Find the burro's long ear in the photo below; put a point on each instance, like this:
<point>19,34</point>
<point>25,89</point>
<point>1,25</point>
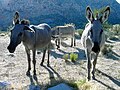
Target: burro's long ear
<point>89,14</point>
<point>16,18</point>
<point>105,14</point>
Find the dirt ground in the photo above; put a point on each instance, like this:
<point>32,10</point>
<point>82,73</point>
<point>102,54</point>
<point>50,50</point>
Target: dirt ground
<point>13,67</point>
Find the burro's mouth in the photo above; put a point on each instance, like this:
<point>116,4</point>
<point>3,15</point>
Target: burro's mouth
<point>11,50</point>
<point>96,49</point>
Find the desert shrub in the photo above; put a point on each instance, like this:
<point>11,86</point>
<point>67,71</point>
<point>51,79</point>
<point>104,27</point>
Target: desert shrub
<point>113,37</point>
<point>116,29</point>
<point>73,57</point>
<point>83,85</point>
<point>106,28</point>
<point>81,82</point>
<point>70,57</point>
<point>107,49</point>
<point>108,34</point>
<point>80,31</point>
<point>66,57</point>
<point>112,34</point>
<point>77,84</point>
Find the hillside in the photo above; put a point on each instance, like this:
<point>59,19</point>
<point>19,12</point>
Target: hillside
<point>54,12</point>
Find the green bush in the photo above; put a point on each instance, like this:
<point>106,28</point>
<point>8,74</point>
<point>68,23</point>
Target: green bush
<point>80,31</point>
<point>116,29</point>
<point>66,57</point>
<point>107,49</point>
<point>70,57</point>
<point>77,84</point>
<point>73,57</point>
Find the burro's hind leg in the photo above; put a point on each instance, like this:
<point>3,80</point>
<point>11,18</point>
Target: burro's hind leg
<point>34,62</point>
<point>48,62</point>
<point>57,41</point>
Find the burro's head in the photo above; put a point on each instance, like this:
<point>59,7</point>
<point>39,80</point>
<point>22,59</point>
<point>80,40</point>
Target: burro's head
<point>17,32</point>
<point>95,26</point>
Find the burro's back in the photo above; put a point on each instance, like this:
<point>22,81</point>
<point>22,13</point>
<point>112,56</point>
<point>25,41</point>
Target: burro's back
<point>41,37</point>
<point>66,31</point>
<point>61,32</point>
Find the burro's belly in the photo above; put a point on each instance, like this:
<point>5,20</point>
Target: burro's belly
<point>38,43</point>
<point>42,43</point>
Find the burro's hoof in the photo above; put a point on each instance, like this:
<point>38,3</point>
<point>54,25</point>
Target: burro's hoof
<point>93,77</point>
<point>48,65</point>
<point>88,78</point>
<point>28,73</point>
<point>41,64</point>
<point>34,72</point>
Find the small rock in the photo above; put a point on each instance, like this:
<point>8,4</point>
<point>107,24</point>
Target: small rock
<point>61,86</point>
<point>3,60</point>
<point>2,34</point>
<point>12,55</point>
<point>38,52</point>
<point>5,85</point>
<point>33,87</point>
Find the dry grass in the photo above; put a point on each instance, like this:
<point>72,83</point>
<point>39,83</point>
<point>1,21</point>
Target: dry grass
<point>89,86</point>
<point>107,49</point>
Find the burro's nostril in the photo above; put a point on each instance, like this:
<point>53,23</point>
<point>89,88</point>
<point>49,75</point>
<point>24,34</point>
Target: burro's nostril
<point>96,47</point>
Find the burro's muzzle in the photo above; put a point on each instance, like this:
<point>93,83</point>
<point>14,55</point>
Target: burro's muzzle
<point>11,48</point>
<point>96,47</point>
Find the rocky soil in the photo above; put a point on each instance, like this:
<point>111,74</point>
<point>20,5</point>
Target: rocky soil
<point>13,67</point>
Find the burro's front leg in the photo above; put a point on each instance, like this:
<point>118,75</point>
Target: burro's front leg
<point>88,55</point>
<point>94,65</point>
<point>29,61</point>
<point>34,62</point>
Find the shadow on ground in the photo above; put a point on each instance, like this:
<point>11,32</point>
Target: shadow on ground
<point>117,82</point>
<point>34,84</point>
<point>54,77</point>
<point>113,55</point>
